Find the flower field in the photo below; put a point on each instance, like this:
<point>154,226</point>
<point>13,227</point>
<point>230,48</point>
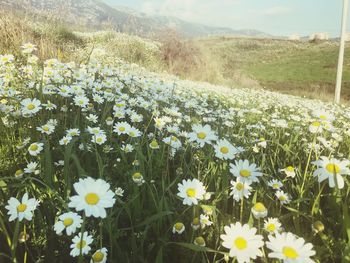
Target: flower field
<point>107,162</point>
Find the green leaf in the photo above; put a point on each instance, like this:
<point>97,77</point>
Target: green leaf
<point>155,217</point>
<point>48,171</point>
<point>159,258</point>
<point>196,247</point>
<point>346,253</point>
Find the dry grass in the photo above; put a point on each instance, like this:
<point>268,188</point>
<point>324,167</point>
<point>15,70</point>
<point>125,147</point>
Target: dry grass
<point>53,39</point>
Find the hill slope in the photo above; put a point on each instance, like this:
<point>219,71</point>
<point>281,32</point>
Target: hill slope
<point>299,68</point>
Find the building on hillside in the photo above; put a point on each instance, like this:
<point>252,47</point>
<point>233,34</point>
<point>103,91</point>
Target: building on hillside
<point>319,36</point>
<point>294,37</point>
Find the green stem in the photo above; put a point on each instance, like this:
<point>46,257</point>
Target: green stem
<point>14,242</point>
<point>81,239</point>
<point>241,212</point>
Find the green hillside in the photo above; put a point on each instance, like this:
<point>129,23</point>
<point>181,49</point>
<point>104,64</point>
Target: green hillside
<point>299,68</point>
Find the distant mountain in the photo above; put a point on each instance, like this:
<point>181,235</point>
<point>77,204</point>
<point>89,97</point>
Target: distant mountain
<point>95,14</point>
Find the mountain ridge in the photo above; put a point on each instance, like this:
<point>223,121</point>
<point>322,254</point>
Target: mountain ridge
<point>97,15</point>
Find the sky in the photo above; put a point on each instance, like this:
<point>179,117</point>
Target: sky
<point>277,17</point>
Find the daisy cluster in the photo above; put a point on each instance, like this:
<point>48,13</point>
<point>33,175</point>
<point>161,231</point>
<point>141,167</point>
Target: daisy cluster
<point>189,162</point>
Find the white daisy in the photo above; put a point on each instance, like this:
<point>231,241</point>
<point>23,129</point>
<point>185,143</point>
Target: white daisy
<point>240,190</point>
<point>331,169</point>
<point>202,135</point>
<point>68,221</point>
<point>119,191</point>
<point>35,148</point>
<point>272,225</point>
<point>65,140</point>
<point>31,168</point>
<point>259,210</point>
<point>205,221</point>
<point>100,256</point>
<point>99,139</point>
<point>73,132</point>
<point>154,144</point>
<point>81,101</point>
<point>191,191</point>
<point>178,228</point>
<point>247,173</point>
<point>242,242</point>
<point>93,197</point>
<point>289,171</point>
<point>138,178</point>
<point>282,197</point>
<point>275,184</point>
<point>121,128</point>
<point>290,248</point>
<point>173,141</point>
<point>28,48</point>
<point>199,241</point>
<point>21,209</point>
<point>225,150</point>
<point>30,106</point>
<point>81,243</point>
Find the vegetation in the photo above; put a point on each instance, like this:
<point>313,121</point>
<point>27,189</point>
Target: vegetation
<point>103,160</point>
<point>109,160</point>
<point>294,67</point>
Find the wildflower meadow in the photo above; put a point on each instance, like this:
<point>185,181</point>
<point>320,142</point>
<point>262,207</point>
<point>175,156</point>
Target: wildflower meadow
<point>104,161</point>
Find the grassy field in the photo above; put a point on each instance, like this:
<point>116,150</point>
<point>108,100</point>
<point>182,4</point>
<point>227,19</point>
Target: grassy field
<point>299,68</point>
<point>109,157</point>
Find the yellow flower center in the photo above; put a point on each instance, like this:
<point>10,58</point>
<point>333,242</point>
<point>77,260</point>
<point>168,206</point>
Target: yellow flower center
<point>98,256</point>
<point>21,208</point>
<point>99,139</point>
<point>275,186</point>
<point>239,186</point>
<point>121,129</point>
<point>18,172</point>
<point>323,117</point>
<point>137,175</point>
<point>240,243</point>
<point>244,173</point>
<point>173,138</point>
<point>333,168</point>
<point>132,134</point>
<point>68,221</point>
<point>45,128</point>
<point>271,227</point>
<point>31,106</point>
<point>316,124</point>
<point>201,135</point>
<point>191,192</point>
<point>195,221</point>
<point>224,150</point>
<point>179,226</point>
<point>81,244</point>
<point>290,252</point>
<point>92,198</point>
<point>154,144</point>
<point>200,241</point>
<point>290,169</point>
<point>34,147</point>
<point>282,198</point>
<point>259,207</point>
